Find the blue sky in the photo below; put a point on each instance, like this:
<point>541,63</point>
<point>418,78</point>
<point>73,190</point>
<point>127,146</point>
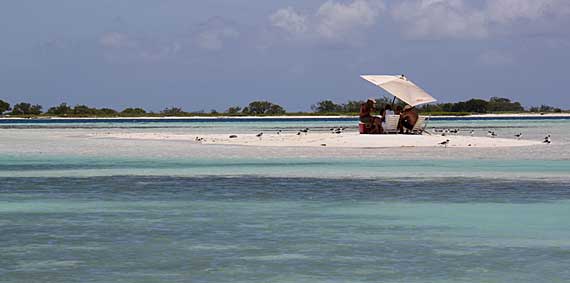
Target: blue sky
<point>204,55</point>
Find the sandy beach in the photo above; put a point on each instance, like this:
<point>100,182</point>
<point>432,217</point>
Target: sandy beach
<point>344,140</point>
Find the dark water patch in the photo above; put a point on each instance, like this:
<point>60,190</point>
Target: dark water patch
<point>251,188</point>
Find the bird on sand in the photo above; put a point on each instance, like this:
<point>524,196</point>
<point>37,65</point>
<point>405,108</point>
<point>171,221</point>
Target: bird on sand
<point>518,136</point>
<point>547,139</point>
<point>259,135</point>
<point>444,143</point>
<point>472,132</point>
<point>305,130</point>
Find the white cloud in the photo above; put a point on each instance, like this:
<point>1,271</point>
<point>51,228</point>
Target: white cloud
<point>121,47</point>
<point>212,34</point>
<point>336,20</point>
<point>289,20</point>
<point>332,21</point>
<point>115,40</point>
<point>505,11</point>
<point>437,19</point>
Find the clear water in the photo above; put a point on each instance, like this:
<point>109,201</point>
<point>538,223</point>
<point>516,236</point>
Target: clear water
<point>81,209</point>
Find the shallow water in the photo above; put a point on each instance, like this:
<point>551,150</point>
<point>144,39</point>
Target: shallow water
<point>79,209</point>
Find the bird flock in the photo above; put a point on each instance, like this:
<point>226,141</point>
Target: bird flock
<point>444,132</point>
<point>490,133</point>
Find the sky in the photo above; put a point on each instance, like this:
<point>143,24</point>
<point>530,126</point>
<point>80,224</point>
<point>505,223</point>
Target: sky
<point>203,55</point>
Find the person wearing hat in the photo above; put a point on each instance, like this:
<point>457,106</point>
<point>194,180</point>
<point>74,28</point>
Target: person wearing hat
<point>373,123</point>
<point>408,119</point>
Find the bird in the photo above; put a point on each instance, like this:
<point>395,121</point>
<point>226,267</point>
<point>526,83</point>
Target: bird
<point>491,134</point>
<point>298,133</point>
<point>547,139</point>
<point>518,136</point>
<point>444,143</point>
<point>305,130</point>
<point>233,136</point>
<point>472,132</point>
<point>279,132</point>
<point>259,135</point>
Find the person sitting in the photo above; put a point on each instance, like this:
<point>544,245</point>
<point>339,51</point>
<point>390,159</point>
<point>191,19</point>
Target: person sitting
<point>399,110</point>
<point>387,111</point>
<point>374,124</point>
<point>408,119</point>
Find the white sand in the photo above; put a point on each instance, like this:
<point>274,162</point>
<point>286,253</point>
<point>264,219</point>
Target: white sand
<point>346,140</point>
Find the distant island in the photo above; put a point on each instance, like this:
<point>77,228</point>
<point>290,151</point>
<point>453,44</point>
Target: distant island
<point>495,105</point>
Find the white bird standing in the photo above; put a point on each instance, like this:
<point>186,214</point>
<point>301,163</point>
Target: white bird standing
<point>444,143</point>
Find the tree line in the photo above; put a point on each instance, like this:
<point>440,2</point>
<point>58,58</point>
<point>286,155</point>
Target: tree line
<point>476,106</point>
<point>65,110</point>
<point>256,108</point>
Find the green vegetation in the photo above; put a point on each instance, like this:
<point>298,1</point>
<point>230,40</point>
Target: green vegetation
<point>267,108</point>
<point>23,108</point>
<point>479,106</point>
<point>263,108</point>
<point>4,106</point>
<point>131,112</point>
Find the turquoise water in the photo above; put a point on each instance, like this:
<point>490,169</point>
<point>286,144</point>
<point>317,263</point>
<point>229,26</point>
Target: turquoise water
<point>81,209</point>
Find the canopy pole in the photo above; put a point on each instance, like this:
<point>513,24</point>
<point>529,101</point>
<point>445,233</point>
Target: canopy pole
<point>393,101</point>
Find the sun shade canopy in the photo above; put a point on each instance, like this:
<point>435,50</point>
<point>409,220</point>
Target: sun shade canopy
<point>402,88</point>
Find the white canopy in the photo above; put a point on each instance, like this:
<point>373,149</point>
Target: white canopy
<point>402,88</point>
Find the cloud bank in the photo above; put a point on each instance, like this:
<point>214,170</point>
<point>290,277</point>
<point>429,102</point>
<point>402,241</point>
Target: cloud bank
<point>333,21</point>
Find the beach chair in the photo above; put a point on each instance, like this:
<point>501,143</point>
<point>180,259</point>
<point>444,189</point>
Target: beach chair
<point>420,125</point>
<point>390,126</point>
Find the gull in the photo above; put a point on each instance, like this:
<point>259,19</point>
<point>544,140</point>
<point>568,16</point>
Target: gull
<point>547,139</point>
<point>279,132</point>
<point>233,136</point>
<point>492,134</point>
<point>298,133</point>
<point>472,132</point>
<point>518,136</point>
<point>305,130</point>
<point>259,135</point>
<point>444,143</point>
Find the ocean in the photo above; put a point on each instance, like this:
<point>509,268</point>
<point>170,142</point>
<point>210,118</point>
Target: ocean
<point>78,208</point>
